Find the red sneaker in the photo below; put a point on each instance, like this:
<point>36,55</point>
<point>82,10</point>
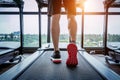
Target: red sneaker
<point>72,60</point>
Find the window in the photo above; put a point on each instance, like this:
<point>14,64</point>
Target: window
<point>113,30</point>
<point>93,31</point>
<point>44,26</point>
<point>9,28</point>
<point>93,25</point>
<point>64,34</point>
<point>64,37</point>
<point>31,31</point>
<point>79,26</point>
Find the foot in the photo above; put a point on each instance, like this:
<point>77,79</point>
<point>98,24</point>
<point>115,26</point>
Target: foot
<point>56,57</point>
<point>72,60</point>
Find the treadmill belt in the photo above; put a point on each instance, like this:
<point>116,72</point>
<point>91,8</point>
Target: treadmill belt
<point>44,69</point>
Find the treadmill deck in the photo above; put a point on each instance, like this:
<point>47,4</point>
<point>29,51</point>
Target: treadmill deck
<point>44,69</point>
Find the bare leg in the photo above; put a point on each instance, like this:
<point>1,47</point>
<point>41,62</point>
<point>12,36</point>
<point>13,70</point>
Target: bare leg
<point>55,31</point>
<point>72,27</point>
<point>72,60</point>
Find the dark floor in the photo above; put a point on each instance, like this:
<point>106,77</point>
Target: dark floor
<point>115,67</point>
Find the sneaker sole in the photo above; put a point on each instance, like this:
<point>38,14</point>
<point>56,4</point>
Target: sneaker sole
<point>56,60</point>
<point>72,60</point>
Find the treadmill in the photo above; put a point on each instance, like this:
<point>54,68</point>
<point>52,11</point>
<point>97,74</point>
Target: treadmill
<point>112,51</point>
<point>38,66</point>
<point>9,50</point>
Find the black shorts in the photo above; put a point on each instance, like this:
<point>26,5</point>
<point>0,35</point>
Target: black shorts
<point>69,5</point>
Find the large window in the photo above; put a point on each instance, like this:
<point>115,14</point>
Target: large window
<point>31,31</point>
<point>93,25</point>
<point>44,26</point>
<point>64,37</point>
<point>64,33</point>
<point>113,30</point>
<point>79,26</point>
<point>93,31</point>
<point>9,28</point>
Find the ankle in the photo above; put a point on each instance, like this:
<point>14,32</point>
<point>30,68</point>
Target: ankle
<point>74,42</point>
<point>57,51</point>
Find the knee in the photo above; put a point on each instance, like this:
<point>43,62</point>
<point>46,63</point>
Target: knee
<point>71,18</point>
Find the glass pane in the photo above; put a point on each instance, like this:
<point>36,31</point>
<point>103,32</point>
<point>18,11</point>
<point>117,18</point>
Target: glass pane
<point>64,37</point>
<point>31,31</point>
<point>79,24</point>
<point>9,31</point>
<point>44,24</point>
<point>113,30</point>
<point>64,34</point>
<point>9,28</point>
<point>93,31</point>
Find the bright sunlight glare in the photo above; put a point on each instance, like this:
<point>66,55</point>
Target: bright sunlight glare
<point>88,5</point>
